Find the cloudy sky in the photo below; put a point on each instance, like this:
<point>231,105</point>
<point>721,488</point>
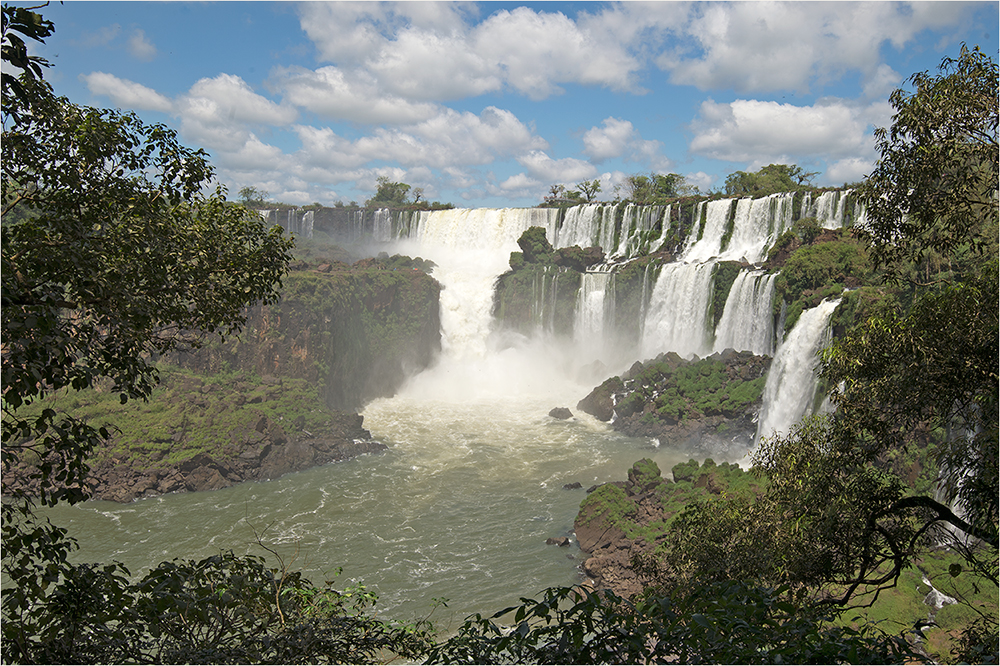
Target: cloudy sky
<point>489,104</point>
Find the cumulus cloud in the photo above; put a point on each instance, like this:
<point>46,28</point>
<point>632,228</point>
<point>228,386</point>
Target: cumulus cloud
<point>751,46</point>
<point>218,112</point>
<point>450,139</point>
<point>126,94</point>
<point>141,48</point>
<point>433,51</point>
<point>547,170</point>
<point>751,130</point>
<point>848,170</point>
<point>618,138</point>
<point>334,93</point>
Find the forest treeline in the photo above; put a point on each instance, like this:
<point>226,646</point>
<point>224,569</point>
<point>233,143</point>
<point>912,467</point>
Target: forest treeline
<point>114,252</point>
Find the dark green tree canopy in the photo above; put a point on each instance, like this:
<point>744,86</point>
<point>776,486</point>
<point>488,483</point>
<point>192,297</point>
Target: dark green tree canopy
<point>934,189</point>
<point>771,179</point>
<point>113,252</point>
<point>652,189</point>
<point>389,193</point>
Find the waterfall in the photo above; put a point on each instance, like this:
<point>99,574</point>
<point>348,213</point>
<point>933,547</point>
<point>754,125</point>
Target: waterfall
<point>705,241</point>
<point>746,323</point>
<point>792,381</point>
<point>678,310</point>
<point>594,303</point>
<point>829,208</point>
<point>308,221</point>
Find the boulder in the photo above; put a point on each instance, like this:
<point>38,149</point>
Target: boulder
<point>561,413</point>
<point>558,541</point>
<point>600,402</point>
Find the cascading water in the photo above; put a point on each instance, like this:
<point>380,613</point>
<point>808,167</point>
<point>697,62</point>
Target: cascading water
<point>792,381</point>
<point>746,323</point>
<point>678,311</point>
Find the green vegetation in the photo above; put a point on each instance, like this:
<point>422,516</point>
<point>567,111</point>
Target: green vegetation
<point>190,413</point>
<point>722,281</point>
<point>772,179</point>
<point>116,251</point>
<point>682,390</point>
<point>814,272</point>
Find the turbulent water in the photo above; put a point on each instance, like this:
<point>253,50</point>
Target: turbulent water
<point>461,504</point>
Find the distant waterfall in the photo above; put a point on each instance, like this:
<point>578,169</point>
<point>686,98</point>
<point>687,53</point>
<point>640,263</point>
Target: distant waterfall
<point>829,208</point>
<point>746,323</point>
<point>620,315</point>
<point>792,381</point>
<point>621,230</point>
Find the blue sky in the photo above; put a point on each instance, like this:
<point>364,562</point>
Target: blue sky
<point>489,104</point>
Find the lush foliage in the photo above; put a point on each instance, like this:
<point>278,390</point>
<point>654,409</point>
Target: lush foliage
<point>682,390</point>
<point>112,254</point>
<point>220,610</point>
<point>771,179</point>
<point>933,191</point>
<point>726,623</point>
<point>115,251</point>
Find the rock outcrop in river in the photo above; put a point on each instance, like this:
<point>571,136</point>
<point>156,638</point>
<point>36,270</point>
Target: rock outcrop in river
<point>706,405</point>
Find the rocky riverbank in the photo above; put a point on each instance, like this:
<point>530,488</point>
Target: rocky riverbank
<point>621,520</point>
<point>205,433</point>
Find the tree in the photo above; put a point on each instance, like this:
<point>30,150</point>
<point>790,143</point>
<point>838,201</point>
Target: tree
<point>934,187</point>
<point>654,189</point>
<point>589,189</point>
<point>719,623</point>
<point>771,179</point>
<point>251,196</point>
<point>389,193</point>
<point>923,370</point>
<point>31,26</point>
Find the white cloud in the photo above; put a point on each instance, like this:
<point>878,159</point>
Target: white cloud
<point>236,101</point>
<point>450,139</point>
<point>427,65</point>
<point>547,170</point>
<point>520,182</point>
<point>753,46</point>
<point>219,112</point>
<point>536,51</point>
<point>618,138</point>
<point>254,154</point>
<point>766,132</point>
<point>126,94</point>
<point>141,48</point>
<point>848,170</point>
<point>699,179</point>
<point>432,51</point>
<point>332,93</point>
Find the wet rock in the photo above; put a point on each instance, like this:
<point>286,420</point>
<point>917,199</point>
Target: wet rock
<point>558,541</point>
<point>572,486</point>
<point>561,413</point>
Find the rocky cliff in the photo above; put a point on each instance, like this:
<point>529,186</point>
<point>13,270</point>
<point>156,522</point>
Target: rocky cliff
<point>277,399</point>
<point>356,331</point>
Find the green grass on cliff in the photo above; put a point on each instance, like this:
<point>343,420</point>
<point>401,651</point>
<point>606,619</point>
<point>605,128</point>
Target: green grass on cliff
<point>189,413</point>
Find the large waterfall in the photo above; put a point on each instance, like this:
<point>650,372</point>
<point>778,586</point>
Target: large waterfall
<point>472,484</point>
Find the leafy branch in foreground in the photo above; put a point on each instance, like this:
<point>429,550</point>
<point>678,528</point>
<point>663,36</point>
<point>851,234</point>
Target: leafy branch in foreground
<point>727,623</point>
